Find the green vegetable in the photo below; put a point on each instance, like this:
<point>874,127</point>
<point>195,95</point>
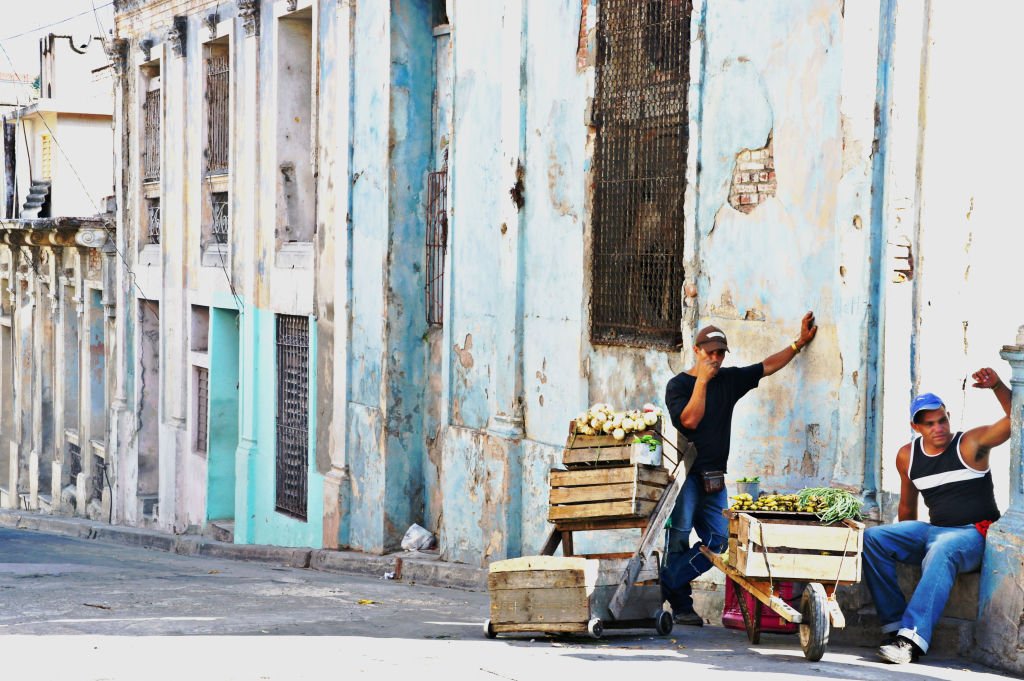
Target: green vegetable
<point>838,504</point>
<point>652,442</point>
<point>755,478</point>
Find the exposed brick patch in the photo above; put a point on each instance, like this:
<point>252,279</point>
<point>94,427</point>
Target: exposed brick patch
<point>583,38</point>
<point>753,178</point>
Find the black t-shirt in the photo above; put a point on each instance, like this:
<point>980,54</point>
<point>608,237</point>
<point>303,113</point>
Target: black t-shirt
<point>711,436</point>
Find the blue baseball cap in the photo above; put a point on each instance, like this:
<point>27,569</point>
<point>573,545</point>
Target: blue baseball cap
<point>925,402</point>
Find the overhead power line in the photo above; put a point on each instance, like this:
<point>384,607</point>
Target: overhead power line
<point>58,22</point>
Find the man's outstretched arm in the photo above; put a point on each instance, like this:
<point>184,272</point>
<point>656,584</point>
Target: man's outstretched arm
<point>981,440</point>
<point>783,357</point>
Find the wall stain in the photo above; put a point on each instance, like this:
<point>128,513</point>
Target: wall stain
<point>464,354</point>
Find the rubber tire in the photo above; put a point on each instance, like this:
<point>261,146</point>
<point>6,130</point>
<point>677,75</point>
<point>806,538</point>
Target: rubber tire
<point>663,623</point>
<point>814,629</point>
<point>595,627</point>
<point>489,630</point>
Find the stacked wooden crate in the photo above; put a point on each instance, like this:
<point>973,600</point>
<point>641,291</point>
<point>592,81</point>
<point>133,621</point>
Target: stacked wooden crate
<point>606,478</point>
<point>795,546</point>
<point>607,484</point>
<point>564,595</point>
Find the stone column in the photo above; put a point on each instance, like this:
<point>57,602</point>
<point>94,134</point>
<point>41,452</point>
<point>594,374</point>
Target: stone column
<point>1000,629</point>
<point>507,421</point>
<point>245,212</point>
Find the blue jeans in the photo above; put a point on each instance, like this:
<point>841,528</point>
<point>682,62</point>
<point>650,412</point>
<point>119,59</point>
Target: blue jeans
<point>694,510</point>
<point>941,552</point>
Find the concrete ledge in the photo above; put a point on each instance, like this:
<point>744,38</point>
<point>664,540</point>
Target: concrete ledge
<point>423,568</point>
<point>281,555</point>
<point>416,568</point>
<point>130,536</point>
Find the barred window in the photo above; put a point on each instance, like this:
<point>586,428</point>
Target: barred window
<point>217,100</point>
<point>202,408</point>
<point>292,414</point>
<point>153,220</point>
<point>640,117</point>
<point>151,137</point>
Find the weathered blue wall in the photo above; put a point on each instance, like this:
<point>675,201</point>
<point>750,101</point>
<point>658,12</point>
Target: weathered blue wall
<point>393,103</point>
<point>760,70</point>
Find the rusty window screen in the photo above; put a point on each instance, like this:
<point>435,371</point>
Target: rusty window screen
<point>217,94</point>
<point>151,137</point>
<point>99,465</point>
<point>437,241</point>
<point>640,117</point>
<point>153,220</point>
<point>292,414</point>
<point>219,231</point>
<point>73,460</point>
<point>202,408</point>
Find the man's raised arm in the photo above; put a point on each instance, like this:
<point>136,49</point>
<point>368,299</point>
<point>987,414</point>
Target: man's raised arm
<point>983,438</point>
<point>783,357</point>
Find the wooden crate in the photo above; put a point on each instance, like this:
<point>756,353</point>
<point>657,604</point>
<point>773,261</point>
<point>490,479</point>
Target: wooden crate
<point>618,492</point>
<point>798,547</point>
<point>589,451</point>
<point>555,594</point>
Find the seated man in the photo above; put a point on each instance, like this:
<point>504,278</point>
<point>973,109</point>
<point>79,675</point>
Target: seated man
<point>952,472</point>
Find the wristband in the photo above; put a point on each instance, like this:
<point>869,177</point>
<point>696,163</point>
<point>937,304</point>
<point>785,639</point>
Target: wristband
<point>796,348</point>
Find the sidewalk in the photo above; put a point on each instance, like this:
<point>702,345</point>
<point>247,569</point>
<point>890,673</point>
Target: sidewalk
<point>410,566</point>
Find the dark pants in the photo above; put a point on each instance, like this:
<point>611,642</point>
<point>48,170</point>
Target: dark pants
<point>694,510</point>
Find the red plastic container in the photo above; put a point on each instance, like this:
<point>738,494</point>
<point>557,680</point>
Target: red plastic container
<point>732,616</point>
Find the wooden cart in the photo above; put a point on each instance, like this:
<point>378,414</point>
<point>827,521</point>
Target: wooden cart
<point>766,547</point>
<point>605,486</point>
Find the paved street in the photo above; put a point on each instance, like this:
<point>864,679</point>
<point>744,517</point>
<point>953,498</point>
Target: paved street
<point>85,609</point>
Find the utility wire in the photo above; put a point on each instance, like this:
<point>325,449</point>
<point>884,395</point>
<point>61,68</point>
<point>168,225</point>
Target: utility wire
<point>106,222</point>
<point>58,22</point>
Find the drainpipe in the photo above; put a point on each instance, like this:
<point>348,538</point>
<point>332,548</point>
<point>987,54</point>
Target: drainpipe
<point>1001,595</point>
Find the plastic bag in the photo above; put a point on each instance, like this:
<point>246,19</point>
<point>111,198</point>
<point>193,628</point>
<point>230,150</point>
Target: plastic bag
<point>417,539</point>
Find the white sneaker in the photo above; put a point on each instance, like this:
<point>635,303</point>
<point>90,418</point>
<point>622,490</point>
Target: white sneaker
<point>901,651</point>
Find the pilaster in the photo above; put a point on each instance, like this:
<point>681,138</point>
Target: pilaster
<point>1001,599</point>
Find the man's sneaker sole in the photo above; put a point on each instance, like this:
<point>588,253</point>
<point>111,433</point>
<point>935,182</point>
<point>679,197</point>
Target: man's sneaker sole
<point>690,619</point>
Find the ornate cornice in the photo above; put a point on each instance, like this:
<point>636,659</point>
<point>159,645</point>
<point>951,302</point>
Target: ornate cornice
<point>292,4</point>
<point>146,47</point>
<point>178,36</point>
<point>211,24</point>
<point>249,13</point>
<point>117,53</point>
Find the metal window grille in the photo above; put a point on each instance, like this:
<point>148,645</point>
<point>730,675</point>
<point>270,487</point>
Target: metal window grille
<point>151,137</point>
<point>73,461</point>
<point>437,241</point>
<point>292,414</point>
<point>153,220</point>
<point>639,171</point>
<point>217,94</point>
<point>202,408</point>
<point>219,231</point>
<point>98,466</point>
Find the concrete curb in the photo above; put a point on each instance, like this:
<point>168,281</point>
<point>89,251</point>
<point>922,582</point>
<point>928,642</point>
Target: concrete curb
<point>411,567</point>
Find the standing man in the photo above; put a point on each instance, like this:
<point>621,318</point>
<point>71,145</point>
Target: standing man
<point>700,402</point>
<point>952,472</point>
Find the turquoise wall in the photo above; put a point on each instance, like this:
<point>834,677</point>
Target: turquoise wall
<point>264,524</point>
<point>223,414</point>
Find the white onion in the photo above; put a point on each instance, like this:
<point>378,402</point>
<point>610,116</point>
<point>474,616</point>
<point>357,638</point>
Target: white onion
<point>619,434</point>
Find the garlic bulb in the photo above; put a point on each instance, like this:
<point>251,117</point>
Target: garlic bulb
<point>619,434</point>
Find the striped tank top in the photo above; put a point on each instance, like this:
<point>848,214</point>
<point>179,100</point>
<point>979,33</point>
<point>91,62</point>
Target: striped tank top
<point>954,493</point>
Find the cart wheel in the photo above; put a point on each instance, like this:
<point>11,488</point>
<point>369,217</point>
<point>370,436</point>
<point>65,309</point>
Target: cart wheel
<point>489,630</point>
<point>663,623</point>
<point>814,628</point>
<point>595,627</point>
